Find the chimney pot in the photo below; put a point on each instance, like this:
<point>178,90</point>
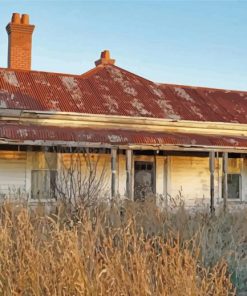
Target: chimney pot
<point>105,54</point>
<point>16,19</point>
<point>25,19</point>
<point>105,59</point>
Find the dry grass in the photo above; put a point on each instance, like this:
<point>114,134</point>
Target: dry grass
<point>109,251</point>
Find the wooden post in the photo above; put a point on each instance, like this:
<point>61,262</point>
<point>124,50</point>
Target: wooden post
<point>113,172</point>
<point>224,175</point>
<point>212,169</point>
<point>129,154</point>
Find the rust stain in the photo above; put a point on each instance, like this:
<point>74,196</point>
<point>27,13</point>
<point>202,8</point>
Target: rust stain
<point>111,90</point>
<point>24,132</point>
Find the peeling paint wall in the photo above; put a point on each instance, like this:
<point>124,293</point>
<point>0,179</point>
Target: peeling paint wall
<point>12,174</point>
<point>43,160</point>
<point>190,175</point>
<point>244,179</point>
<point>161,179</point>
<point>159,164</point>
<point>121,173</point>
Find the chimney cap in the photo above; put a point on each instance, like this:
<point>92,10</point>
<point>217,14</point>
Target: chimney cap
<point>20,19</point>
<point>25,19</point>
<point>105,59</point>
<point>19,22</point>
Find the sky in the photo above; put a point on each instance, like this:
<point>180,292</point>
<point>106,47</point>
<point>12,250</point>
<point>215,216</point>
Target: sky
<point>202,43</point>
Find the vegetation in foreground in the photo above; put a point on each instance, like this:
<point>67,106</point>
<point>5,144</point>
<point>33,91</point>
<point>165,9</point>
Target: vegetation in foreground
<point>118,249</point>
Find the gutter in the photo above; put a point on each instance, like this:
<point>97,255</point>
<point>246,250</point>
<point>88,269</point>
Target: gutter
<point>178,147</point>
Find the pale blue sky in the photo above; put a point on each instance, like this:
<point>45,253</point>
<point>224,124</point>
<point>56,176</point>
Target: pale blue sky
<point>184,42</point>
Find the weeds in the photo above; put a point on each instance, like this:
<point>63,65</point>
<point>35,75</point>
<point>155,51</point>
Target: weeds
<point>116,249</point>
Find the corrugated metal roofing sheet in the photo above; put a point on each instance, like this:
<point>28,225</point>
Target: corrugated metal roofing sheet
<point>112,90</point>
<point>20,133</point>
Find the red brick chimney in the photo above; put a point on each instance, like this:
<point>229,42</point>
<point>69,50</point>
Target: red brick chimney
<point>20,42</point>
<point>105,59</point>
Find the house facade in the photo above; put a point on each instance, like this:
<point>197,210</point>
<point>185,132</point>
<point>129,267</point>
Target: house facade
<point>116,134</point>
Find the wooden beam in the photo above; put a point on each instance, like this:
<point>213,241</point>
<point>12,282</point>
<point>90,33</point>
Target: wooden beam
<point>212,169</point>
<point>74,144</point>
<point>129,173</point>
<point>113,172</point>
<point>224,176</point>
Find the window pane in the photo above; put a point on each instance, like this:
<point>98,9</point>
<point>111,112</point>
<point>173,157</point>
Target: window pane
<point>43,184</point>
<point>233,185</point>
<point>233,181</point>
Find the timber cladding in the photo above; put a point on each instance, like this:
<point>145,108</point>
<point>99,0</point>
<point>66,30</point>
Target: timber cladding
<point>190,175</point>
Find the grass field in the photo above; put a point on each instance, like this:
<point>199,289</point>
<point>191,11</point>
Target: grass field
<point>127,249</point>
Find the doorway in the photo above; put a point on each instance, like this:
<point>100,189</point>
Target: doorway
<point>143,180</point>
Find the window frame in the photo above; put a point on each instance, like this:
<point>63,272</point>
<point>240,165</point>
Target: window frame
<point>50,199</point>
<point>240,188</point>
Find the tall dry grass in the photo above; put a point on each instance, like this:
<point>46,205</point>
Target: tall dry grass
<point>111,250</point>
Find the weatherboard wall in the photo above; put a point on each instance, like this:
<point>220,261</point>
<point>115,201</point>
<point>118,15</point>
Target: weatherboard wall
<point>13,169</point>
<point>189,178</point>
<point>174,175</point>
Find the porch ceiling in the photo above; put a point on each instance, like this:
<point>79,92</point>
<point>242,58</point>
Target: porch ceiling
<point>14,133</point>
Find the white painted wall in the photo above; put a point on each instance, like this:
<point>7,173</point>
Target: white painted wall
<point>121,173</point>
<point>12,174</point>
<point>190,175</point>
<point>244,179</point>
<point>161,180</point>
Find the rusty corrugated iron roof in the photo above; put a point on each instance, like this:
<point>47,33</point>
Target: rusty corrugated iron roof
<point>13,132</point>
<point>111,90</point>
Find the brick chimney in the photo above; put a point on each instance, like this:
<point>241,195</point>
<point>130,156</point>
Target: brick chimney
<point>20,42</point>
<point>105,59</point>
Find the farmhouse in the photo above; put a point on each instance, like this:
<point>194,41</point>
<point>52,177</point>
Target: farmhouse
<point>135,137</point>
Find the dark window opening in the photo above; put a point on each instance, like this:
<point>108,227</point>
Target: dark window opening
<point>43,184</point>
<point>234,186</point>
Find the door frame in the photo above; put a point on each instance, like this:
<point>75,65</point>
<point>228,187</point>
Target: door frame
<point>145,158</point>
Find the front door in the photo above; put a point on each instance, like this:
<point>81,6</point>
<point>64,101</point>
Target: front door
<point>144,180</point>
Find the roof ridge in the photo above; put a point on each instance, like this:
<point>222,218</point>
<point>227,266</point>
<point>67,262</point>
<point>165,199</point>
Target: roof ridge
<point>132,74</point>
<point>201,87</point>
<point>92,71</point>
<point>99,68</point>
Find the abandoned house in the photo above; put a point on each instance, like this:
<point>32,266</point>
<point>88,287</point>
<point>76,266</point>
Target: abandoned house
<point>134,137</point>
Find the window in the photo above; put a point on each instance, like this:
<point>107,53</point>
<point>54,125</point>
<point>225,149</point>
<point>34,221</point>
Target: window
<point>234,186</point>
<point>43,184</point>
